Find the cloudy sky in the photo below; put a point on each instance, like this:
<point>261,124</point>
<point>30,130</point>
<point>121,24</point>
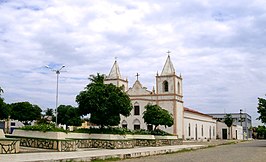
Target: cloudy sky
<point>219,47</point>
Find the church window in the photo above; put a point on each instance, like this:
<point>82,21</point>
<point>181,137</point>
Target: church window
<point>136,124</point>
<point>189,129</point>
<point>202,130</point>
<point>149,127</point>
<point>123,88</point>
<point>136,127</point>
<point>179,88</point>
<point>196,132</point>
<point>213,131</point>
<point>210,132</point>
<point>165,86</point>
<point>136,109</point>
<point>124,124</point>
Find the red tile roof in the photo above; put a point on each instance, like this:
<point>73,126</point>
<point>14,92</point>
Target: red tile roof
<point>195,112</point>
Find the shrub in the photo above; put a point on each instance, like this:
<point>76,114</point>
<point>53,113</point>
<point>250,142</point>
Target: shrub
<point>43,128</point>
<point>121,131</point>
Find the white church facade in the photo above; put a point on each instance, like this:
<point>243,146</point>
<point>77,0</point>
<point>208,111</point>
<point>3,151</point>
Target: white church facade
<point>168,94</point>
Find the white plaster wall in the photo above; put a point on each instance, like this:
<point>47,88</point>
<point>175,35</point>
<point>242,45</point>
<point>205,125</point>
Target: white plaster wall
<point>130,119</point>
<point>238,128</point>
<point>196,119</point>
<point>2,134</point>
<point>160,80</point>
<point>38,134</point>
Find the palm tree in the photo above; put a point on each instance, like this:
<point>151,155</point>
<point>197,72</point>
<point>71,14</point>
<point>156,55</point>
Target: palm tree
<point>96,80</point>
<point>1,90</point>
<point>229,122</point>
<point>99,78</point>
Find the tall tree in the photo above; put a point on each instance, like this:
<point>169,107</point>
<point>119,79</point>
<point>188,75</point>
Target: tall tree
<point>105,102</point>
<point>262,109</point>
<point>155,115</point>
<point>4,109</point>
<point>228,120</point>
<point>68,115</point>
<point>25,112</point>
<point>1,91</point>
<point>49,112</point>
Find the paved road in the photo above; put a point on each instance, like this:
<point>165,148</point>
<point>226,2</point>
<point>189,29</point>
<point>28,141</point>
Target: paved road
<point>250,151</point>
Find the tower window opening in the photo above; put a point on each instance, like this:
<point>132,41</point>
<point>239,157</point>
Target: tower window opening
<point>165,86</point>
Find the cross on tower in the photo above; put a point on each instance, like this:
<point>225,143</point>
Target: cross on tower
<point>168,52</point>
<point>137,76</point>
<point>116,58</point>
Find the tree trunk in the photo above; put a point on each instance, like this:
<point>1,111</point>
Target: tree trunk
<point>156,127</point>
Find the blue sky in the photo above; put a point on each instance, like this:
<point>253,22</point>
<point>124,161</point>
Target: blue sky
<point>218,47</point>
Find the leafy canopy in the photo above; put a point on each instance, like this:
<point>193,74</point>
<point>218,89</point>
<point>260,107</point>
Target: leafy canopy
<point>1,91</point>
<point>68,115</point>
<point>155,115</point>
<point>4,109</point>
<point>262,109</point>
<point>105,102</point>
<point>25,112</point>
<point>49,112</point>
<point>228,120</point>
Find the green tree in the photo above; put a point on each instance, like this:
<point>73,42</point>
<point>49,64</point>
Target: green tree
<point>155,115</point>
<point>25,112</point>
<point>4,109</point>
<point>105,102</point>
<point>1,91</point>
<point>262,109</point>
<point>261,132</point>
<point>49,112</point>
<point>228,120</point>
<point>68,115</point>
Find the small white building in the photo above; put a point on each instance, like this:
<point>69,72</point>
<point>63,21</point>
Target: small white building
<point>198,126</point>
<point>168,94</point>
<point>235,132</point>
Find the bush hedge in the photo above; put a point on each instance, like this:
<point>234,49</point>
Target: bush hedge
<point>43,128</point>
<point>107,130</point>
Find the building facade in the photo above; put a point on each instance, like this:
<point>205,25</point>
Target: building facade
<point>241,119</point>
<point>168,94</point>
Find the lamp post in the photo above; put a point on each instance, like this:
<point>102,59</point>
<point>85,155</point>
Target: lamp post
<point>241,116</point>
<point>241,122</point>
<point>57,72</point>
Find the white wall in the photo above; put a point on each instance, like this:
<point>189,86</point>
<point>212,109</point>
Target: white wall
<point>205,126</point>
<point>237,131</point>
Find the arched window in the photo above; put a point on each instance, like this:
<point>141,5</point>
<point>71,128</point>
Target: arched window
<point>196,132</point>
<point>213,131</point>
<point>123,88</point>
<point>210,132</point>
<point>136,108</point>
<point>179,88</point>
<point>124,124</point>
<point>189,129</point>
<point>165,86</point>
<point>202,130</point>
<point>136,124</point>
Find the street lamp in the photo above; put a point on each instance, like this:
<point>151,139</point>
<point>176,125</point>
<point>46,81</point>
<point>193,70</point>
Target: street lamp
<point>241,122</point>
<point>57,72</point>
<point>241,116</point>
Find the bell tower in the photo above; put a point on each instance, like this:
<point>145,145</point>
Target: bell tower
<point>168,82</point>
<point>115,78</point>
<point>169,94</point>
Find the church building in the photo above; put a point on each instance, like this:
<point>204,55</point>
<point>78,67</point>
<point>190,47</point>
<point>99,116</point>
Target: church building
<point>168,94</point>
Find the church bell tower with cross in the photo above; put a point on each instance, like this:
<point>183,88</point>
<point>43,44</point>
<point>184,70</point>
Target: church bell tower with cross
<point>115,77</point>
<point>170,94</point>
